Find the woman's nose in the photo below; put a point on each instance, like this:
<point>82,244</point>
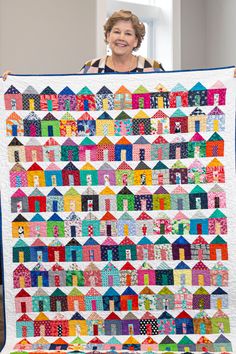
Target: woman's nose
<point>122,35</point>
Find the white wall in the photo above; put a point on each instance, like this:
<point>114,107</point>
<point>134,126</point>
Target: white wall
<point>46,36</point>
<point>168,37</point>
<point>208,33</point>
<point>193,34</point>
<point>221,32</point>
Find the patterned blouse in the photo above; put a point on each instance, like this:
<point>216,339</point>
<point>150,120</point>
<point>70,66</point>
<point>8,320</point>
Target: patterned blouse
<point>98,65</point>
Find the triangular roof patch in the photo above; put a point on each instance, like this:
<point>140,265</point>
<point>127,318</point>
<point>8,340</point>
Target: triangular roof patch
<point>12,91</point>
<point>48,91</point>
<point>85,91</point>
<point>198,87</point>
<point>215,137</point>
<point>178,88</point>
<point>141,89</point>
<point>35,167</point>
<point>122,116</point>
<point>104,91</point>
<point>66,91</point>
<point>178,113</point>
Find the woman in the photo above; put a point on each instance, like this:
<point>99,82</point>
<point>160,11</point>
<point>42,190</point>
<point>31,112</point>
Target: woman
<point>124,34</point>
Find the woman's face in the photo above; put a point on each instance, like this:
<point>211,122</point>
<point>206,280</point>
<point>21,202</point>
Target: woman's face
<point>122,39</point>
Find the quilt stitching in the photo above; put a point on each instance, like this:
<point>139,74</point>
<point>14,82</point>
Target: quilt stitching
<point>118,215</point>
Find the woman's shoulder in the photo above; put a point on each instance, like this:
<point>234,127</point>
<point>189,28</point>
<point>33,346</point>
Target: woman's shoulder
<point>95,65</point>
<point>148,64</point>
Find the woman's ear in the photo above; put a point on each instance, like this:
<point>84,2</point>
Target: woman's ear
<point>136,43</point>
<point>108,37</point>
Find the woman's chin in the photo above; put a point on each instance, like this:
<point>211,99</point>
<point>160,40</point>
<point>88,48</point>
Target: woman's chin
<point>121,52</point>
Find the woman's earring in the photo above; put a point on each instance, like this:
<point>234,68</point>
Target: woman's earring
<point>108,49</point>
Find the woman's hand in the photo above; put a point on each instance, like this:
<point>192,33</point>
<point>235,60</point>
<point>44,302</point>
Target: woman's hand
<point>235,72</point>
<point>5,75</point>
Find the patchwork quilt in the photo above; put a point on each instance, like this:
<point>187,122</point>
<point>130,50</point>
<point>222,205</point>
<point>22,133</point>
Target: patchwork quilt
<point>118,212</point>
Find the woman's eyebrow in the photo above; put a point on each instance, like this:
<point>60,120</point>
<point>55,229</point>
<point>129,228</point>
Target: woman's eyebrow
<point>127,30</point>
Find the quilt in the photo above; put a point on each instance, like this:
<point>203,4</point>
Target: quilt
<point>118,212</point>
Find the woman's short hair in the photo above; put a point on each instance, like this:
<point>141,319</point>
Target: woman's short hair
<point>125,15</point>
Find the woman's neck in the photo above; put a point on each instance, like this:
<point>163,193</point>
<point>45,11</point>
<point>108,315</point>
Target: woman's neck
<point>122,63</point>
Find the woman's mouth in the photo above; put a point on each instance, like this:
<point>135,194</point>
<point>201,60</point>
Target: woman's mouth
<point>121,44</point>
